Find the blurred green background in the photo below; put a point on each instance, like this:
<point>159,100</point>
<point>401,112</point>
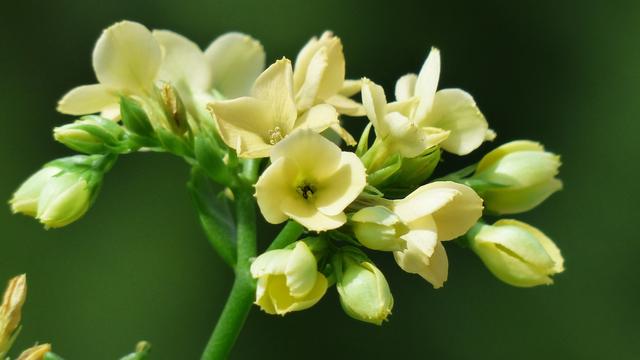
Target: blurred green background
<point>138,266</point>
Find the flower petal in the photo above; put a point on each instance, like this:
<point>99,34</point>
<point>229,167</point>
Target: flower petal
<point>274,185</point>
<point>502,150</point>
<point>330,76</point>
<point>315,156</point>
<point>455,110</point>
<point>437,271</point>
<point>273,262</point>
<point>350,88</point>
<point>513,201</point>
<point>427,83</point>
<point>307,94</point>
<point>549,246</point>
<point>375,102</point>
<point>341,188</point>
<point>275,87</point>
<point>346,106</point>
<point>235,61</point>
<point>318,118</point>
<point>183,63</point>
<point>406,87</point>
<point>127,57</point>
<point>409,138</point>
<point>301,271</point>
<point>285,303</point>
<point>244,125</point>
<point>87,99</point>
<point>309,216</point>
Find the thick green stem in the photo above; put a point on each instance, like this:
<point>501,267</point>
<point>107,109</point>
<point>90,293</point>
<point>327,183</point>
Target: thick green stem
<point>289,233</point>
<point>240,299</point>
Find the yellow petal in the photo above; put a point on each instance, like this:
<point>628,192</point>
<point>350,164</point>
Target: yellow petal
<point>301,271</point>
<point>87,99</point>
<point>332,76</point>
<point>309,216</point>
<point>274,185</point>
<point>127,57</point>
<point>275,87</point>
<point>437,271</point>
<point>245,125</point>
<point>375,102</point>
<point>427,83</point>
<point>342,187</point>
<point>284,303</point>
<point>455,110</point>
<point>344,134</point>
<point>272,262</point>
<point>307,94</point>
<point>318,118</point>
<point>406,87</point>
<point>409,138</point>
<point>183,63</point>
<point>513,146</point>
<point>235,61</point>
<point>315,156</point>
<point>346,106</point>
<point>350,88</point>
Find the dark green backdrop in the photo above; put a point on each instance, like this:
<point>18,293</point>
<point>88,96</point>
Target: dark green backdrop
<point>138,266</point>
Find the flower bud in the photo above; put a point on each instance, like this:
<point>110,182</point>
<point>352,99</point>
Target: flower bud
<point>516,253</point>
<point>518,175</point>
<point>135,118</point>
<point>175,108</point>
<point>64,199</point>
<point>92,135</point>
<point>11,312</point>
<point>36,352</point>
<point>378,228</point>
<point>288,280</point>
<point>364,292</point>
<point>25,199</point>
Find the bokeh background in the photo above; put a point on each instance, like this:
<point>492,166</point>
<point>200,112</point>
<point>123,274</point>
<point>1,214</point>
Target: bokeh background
<point>138,266</point>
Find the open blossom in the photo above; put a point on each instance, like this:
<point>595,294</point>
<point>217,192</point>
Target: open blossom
<point>253,125</point>
<point>524,175</point>
<point>423,117</point>
<point>433,213</point>
<point>311,181</point>
<point>288,280</point>
<point>126,60</point>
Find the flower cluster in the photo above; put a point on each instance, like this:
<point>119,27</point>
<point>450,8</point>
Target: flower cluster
<point>278,131</point>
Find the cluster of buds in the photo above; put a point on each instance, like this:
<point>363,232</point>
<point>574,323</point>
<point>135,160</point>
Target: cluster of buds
<point>221,107</point>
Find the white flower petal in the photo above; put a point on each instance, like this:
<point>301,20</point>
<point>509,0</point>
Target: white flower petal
<point>127,57</point>
<point>318,118</point>
<point>375,102</point>
<point>406,87</point>
<point>455,110</point>
<point>235,61</point>
<point>315,156</point>
<point>346,106</point>
<point>87,99</point>
<point>301,270</point>
<point>274,185</point>
<point>183,63</point>
<point>342,187</point>
<point>275,87</point>
<point>427,83</point>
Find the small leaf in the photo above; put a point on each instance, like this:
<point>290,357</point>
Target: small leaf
<point>134,117</point>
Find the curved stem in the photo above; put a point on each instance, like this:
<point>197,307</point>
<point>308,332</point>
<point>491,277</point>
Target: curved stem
<point>241,298</point>
<point>289,233</point>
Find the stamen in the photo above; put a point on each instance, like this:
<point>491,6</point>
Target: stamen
<point>275,135</point>
<point>306,190</point>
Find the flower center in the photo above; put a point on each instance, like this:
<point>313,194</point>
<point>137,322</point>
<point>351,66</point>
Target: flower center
<point>275,135</point>
<point>306,190</point>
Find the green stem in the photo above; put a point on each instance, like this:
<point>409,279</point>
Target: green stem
<point>289,233</point>
<point>240,299</point>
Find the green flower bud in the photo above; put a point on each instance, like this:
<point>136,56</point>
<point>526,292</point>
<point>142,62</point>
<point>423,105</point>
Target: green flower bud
<point>92,135</point>
<point>379,228</point>
<point>364,292</point>
<point>11,312</point>
<point>516,253</point>
<point>135,118</point>
<point>63,200</point>
<point>25,199</point>
<point>516,177</point>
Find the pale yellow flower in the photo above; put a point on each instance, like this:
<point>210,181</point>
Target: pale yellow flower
<point>319,76</point>
<point>453,110</point>
<point>288,280</point>
<point>11,312</point>
<point>524,175</point>
<point>433,213</point>
<point>126,59</point>
<point>517,253</point>
<point>311,181</point>
<point>253,125</point>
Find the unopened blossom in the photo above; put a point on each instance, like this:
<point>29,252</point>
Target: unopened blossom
<point>517,253</point>
<point>364,292</point>
<point>11,312</point>
<point>126,60</point>
<point>452,110</point>
<point>253,125</point>
<point>433,213</point>
<point>288,280</point>
<point>379,228</point>
<point>36,352</point>
<point>311,181</point>
<point>524,175</point>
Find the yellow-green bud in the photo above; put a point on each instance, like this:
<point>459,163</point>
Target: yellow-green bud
<point>63,200</point>
<point>364,292</point>
<point>517,253</point>
<point>11,312</point>
<point>36,352</point>
<point>25,199</point>
<point>92,135</point>
<point>524,175</point>
<point>379,228</point>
